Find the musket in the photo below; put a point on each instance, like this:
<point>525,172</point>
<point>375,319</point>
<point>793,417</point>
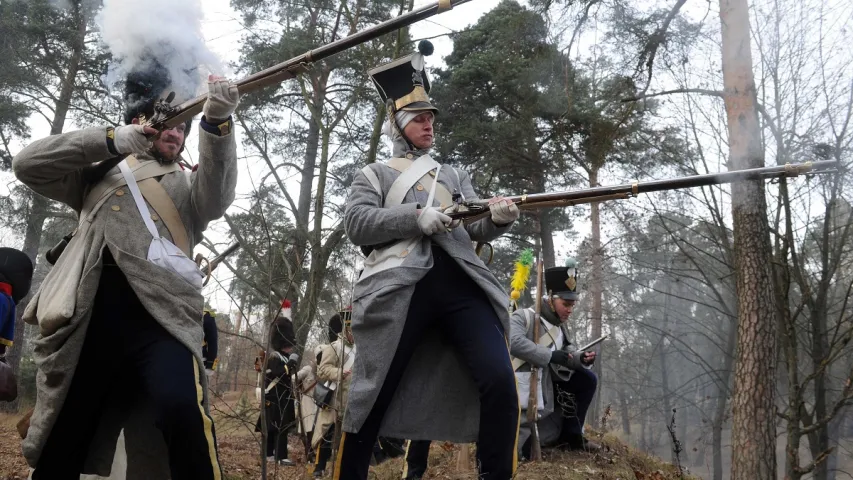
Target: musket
<point>212,264</point>
<point>167,116</point>
<point>471,211</point>
<point>532,402</point>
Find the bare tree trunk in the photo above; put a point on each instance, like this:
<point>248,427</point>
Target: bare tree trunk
<point>664,372</point>
<point>623,408</point>
<point>753,425</point>
<point>596,291</point>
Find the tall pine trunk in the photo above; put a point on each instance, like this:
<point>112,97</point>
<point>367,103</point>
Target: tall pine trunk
<point>753,422</point>
<point>596,289</point>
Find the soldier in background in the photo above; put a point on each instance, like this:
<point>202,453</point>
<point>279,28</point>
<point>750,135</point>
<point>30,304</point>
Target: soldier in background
<point>278,394</point>
<point>568,384</point>
<point>210,347</point>
<point>16,275</point>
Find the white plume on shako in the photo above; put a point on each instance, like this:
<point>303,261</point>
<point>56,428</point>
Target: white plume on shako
<point>137,32</point>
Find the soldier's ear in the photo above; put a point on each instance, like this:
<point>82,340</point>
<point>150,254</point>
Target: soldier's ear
<point>135,121</point>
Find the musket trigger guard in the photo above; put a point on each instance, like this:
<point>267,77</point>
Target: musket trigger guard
<point>199,259</point>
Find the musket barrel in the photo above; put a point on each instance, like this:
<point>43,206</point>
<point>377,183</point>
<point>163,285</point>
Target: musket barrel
<point>625,190</point>
<point>294,66</point>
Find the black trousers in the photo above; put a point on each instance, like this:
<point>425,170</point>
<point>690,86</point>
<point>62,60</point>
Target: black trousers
<point>126,348</point>
<point>276,438</point>
<point>582,386</point>
<point>447,299</point>
<point>324,450</point>
<point>417,457</point>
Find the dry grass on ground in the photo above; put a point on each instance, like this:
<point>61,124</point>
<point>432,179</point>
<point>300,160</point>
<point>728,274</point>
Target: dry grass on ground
<point>239,453</point>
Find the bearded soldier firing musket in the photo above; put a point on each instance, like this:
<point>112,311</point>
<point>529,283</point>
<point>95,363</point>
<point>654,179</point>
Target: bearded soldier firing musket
<point>119,316</point>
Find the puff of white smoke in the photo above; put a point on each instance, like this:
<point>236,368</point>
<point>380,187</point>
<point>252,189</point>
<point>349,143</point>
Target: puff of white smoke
<point>137,32</point>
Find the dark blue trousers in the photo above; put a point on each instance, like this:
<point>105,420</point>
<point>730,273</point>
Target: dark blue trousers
<point>127,350</point>
<point>417,459</point>
<point>582,385</point>
<point>447,299</point>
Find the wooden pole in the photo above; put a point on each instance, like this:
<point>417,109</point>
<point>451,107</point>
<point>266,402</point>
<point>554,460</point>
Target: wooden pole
<point>532,404</point>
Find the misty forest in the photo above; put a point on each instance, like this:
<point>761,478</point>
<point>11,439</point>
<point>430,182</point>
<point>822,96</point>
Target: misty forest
<point>729,308</point>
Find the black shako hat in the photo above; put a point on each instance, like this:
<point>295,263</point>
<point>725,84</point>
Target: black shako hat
<point>282,334</point>
<point>563,281</point>
<point>143,87</point>
<point>16,269</point>
<point>403,83</point>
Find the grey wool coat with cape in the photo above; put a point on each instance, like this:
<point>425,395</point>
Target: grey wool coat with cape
<point>52,167</point>
<point>437,398</point>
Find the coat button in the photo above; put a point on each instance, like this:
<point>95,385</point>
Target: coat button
<point>420,188</point>
<point>409,156</point>
<point>116,208</point>
<point>154,217</point>
<point>119,192</point>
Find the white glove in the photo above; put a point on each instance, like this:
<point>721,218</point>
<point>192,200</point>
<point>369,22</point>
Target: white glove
<point>208,372</point>
<point>432,221</point>
<point>504,212</point>
<point>131,139</point>
<point>222,99</point>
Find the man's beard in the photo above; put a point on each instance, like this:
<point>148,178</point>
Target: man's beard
<point>163,159</point>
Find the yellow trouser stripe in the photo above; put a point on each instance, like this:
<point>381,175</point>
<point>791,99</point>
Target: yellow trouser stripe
<point>406,462</point>
<point>518,423</point>
<point>340,456</point>
<point>208,424</point>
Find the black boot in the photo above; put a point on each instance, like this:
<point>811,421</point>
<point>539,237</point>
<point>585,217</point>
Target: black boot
<point>577,442</point>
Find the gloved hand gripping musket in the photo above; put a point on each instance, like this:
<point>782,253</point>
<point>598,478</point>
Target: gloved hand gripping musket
<point>471,211</point>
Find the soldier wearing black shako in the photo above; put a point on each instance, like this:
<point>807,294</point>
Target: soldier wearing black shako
<point>425,303</point>
<point>567,384</point>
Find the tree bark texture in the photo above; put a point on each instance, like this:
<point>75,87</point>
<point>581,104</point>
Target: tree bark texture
<point>753,408</point>
<point>596,290</point>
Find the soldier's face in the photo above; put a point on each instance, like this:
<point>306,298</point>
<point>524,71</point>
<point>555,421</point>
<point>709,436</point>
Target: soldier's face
<point>419,131</point>
<point>563,308</point>
<point>170,141</point>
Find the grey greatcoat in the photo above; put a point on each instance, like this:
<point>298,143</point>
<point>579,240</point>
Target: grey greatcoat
<point>523,347</point>
<point>52,167</point>
<point>436,399</point>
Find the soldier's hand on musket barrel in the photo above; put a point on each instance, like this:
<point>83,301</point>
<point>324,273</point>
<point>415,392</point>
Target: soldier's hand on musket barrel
<point>503,211</point>
<point>133,138</point>
<point>222,99</point>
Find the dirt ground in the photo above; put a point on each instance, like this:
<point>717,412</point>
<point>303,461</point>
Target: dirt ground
<point>240,458</point>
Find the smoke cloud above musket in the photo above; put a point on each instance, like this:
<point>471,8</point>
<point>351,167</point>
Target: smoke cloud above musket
<point>139,32</point>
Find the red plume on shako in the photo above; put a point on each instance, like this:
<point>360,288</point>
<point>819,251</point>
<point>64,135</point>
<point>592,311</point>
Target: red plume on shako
<point>285,309</point>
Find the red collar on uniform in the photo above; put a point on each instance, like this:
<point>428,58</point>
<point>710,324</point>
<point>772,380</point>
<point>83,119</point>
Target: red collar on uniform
<point>6,288</point>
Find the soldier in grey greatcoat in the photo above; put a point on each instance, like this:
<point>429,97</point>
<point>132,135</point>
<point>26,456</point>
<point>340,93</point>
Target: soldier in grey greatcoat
<point>567,383</point>
<point>425,304</point>
<point>117,330</point>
